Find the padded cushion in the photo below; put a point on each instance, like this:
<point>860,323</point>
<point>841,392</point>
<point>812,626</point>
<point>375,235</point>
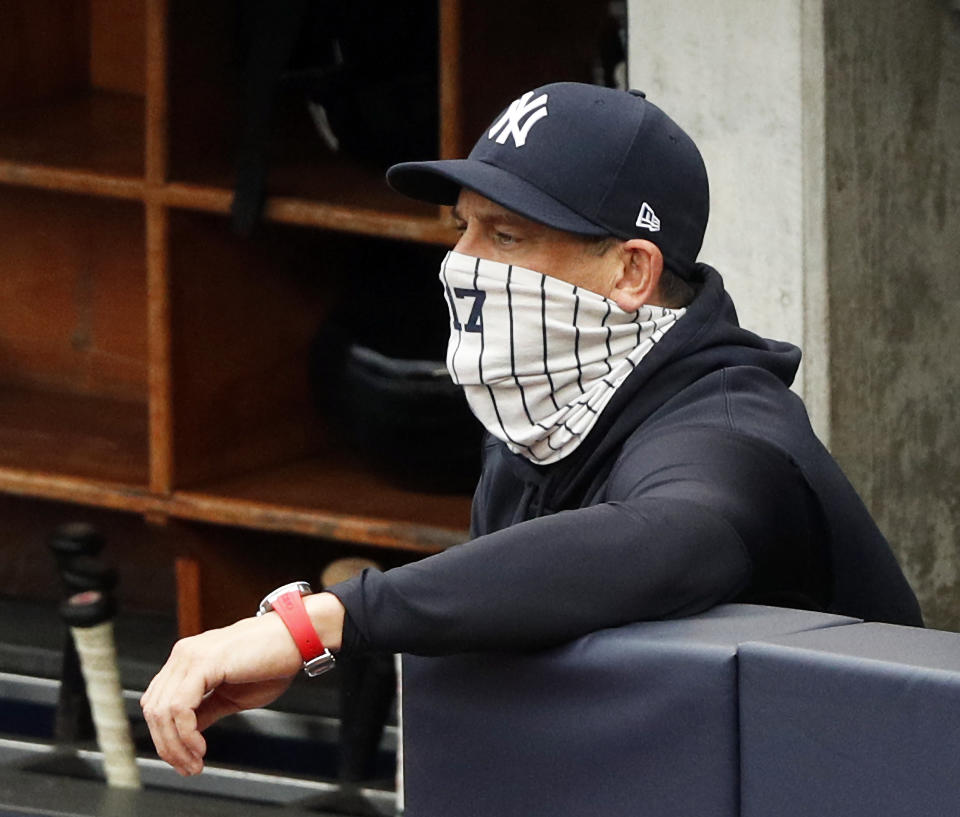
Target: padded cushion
<point>861,721</point>
<point>639,719</point>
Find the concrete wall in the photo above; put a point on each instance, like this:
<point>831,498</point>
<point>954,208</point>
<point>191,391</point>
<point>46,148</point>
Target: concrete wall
<point>831,134</point>
<point>744,78</point>
<point>893,176</point>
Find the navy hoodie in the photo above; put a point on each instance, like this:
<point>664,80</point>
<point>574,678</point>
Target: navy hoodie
<point>702,482</point>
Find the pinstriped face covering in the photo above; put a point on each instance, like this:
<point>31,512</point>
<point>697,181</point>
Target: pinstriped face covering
<point>539,358</point>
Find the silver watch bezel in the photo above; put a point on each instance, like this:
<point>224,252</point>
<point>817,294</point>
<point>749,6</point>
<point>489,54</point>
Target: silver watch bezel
<point>266,605</point>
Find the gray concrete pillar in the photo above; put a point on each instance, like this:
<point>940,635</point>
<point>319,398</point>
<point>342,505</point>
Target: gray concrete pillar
<point>831,132</point>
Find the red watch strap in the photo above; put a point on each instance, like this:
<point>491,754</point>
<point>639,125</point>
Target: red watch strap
<point>291,609</point>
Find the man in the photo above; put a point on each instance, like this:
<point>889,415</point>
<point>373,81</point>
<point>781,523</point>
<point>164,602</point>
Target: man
<point>645,457</point>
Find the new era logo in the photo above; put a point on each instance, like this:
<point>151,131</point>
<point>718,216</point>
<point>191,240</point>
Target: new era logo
<point>510,123</point>
<point>648,219</point>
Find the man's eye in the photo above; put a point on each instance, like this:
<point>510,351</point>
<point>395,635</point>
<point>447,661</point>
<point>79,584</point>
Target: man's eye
<point>504,238</point>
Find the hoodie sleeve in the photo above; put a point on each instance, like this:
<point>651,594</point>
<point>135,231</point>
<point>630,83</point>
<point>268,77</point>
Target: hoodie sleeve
<point>690,523</point>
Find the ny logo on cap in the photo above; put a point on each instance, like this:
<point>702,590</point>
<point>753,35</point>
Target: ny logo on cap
<point>648,219</point>
<point>509,124</point>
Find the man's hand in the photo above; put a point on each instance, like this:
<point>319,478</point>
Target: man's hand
<point>244,666</point>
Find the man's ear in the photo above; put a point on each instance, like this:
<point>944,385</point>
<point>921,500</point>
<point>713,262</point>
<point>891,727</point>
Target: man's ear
<point>639,279</point>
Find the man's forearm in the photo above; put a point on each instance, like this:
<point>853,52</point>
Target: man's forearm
<point>552,579</point>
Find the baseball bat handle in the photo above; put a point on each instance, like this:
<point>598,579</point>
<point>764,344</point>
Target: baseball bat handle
<point>90,616</point>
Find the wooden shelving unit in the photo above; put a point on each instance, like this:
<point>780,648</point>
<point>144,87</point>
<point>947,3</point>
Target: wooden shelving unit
<point>151,361</point>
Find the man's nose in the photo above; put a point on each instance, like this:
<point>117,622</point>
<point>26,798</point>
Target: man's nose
<point>468,243</point>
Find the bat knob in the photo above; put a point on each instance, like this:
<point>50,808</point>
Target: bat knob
<point>88,609</point>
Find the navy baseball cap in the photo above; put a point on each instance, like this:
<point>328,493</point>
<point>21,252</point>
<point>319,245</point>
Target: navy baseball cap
<point>586,159</point>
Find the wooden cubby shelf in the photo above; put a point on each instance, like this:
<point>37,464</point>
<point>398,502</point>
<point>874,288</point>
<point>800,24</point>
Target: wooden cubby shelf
<point>155,364</point>
<point>414,224</point>
<point>87,437</point>
<point>333,497</point>
<point>98,132</point>
<point>397,519</point>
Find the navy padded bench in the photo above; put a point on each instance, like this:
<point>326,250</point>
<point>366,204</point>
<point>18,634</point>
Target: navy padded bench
<point>859,721</point>
<point>637,720</point>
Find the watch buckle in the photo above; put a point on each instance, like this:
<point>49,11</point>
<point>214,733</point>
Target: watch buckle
<point>319,665</point>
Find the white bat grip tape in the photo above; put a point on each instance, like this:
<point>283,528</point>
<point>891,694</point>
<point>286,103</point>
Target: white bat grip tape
<point>98,661</point>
